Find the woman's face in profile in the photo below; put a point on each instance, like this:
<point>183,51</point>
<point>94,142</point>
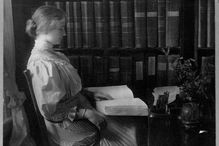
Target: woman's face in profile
<point>55,35</point>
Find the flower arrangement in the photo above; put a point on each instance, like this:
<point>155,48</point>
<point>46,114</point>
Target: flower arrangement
<point>197,89</point>
<point>194,84</point>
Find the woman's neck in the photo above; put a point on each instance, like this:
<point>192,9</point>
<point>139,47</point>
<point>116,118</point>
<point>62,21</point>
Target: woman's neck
<point>43,37</point>
<point>42,43</point>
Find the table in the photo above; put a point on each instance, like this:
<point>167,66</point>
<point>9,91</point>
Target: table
<point>168,131</point>
<point>138,124</point>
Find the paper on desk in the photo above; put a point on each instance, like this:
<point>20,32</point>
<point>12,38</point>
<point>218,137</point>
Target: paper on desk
<point>172,90</point>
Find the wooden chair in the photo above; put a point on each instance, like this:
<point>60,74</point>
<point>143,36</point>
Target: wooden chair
<point>40,119</point>
<point>43,130</point>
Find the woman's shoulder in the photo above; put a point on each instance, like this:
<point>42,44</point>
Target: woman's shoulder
<point>37,56</point>
<point>63,56</point>
<point>45,56</point>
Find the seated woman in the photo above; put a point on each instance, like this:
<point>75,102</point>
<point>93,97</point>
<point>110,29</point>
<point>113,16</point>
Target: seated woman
<point>69,117</point>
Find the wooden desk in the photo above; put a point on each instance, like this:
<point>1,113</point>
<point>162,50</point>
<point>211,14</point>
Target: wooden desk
<point>164,131</point>
<point>168,131</point>
<point>138,124</point>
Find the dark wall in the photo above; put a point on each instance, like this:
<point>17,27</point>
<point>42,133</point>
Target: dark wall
<point>23,44</point>
<point>21,13</point>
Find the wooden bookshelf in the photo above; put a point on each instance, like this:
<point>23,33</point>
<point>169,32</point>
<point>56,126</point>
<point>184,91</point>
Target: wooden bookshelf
<point>204,11</point>
<point>187,43</point>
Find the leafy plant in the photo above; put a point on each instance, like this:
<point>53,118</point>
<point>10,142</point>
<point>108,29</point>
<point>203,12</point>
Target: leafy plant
<point>197,85</point>
<point>194,85</point>
<point>207,86</point>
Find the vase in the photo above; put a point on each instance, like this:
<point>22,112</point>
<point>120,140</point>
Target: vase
<point>190,115</point>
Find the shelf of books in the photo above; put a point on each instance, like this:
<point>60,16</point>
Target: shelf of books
<point>205,32</point>
<point>113,42</point>
<point>131,24</point>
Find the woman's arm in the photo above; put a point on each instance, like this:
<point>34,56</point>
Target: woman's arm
<point>71,108</point>
<point>50,92</point>
<point>85,103</point>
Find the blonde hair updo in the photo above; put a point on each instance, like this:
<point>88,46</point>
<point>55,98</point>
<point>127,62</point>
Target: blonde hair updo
<point>45,18</point>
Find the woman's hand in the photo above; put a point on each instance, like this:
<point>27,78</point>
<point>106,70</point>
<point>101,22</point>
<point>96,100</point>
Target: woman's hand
<point>95,118</point>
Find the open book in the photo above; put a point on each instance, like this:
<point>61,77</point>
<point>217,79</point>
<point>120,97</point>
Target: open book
<point>118,100</point>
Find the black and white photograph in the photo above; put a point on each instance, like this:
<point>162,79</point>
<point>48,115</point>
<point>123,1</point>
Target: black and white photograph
<point>110,73</point>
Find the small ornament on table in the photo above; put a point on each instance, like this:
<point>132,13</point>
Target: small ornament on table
<point>161,107</point>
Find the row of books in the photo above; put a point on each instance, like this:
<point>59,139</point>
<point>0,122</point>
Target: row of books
<point>136,70</point>
<point>206,22</point>
<point>121,23</point>
<point>208,65</point>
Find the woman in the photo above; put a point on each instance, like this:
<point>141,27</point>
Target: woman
<point>69,117</point>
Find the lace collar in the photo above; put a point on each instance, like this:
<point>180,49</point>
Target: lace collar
<point>42,44</point>
<point>44,50</point>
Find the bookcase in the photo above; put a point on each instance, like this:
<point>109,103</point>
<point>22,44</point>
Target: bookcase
<point>204,40</point>
<point>120,41</point>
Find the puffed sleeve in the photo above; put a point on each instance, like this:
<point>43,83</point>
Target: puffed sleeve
<point>49,90</point>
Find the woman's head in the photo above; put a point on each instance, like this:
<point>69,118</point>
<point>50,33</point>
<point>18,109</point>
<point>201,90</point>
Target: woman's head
<point>46,20</point>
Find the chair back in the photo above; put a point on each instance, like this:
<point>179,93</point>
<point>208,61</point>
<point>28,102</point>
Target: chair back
<point>40,119</point>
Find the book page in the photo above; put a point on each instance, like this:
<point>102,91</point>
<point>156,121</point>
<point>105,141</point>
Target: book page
<point>123,102</point>
<point>122,107</point>
<point>112,92</point>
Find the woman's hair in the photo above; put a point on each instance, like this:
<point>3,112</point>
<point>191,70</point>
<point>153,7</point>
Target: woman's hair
<point>44,19</point>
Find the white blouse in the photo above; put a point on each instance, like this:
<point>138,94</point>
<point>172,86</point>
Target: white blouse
<point>54,79</point>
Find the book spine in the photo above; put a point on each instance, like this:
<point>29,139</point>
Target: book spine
<point>114,70</point>
<point>172,23</point>
<point>88,26</point>
<point>161,23</point>
<point>86,70</point>
<point>171,79</point>
<point>127,22</point>
<point>140,23</point>
<point>115,24</point>
<point>210,24</point>
<point>152,23</point>
<point>202,23</point>
<point>100,75</point>
<point>69,24</point>
<point>208,66</point>
<point>161,70</point>
<point>150,62</point>
<point>138,71</point>
<point>99,23</point>
<point>77,24</point>
<point>61,5</point>
<point>126,70</point>
<point>106,28</point>
<point>49,3</point>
